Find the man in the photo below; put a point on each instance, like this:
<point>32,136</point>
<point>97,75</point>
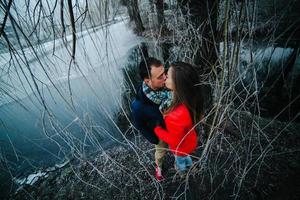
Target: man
<point>145,108</point>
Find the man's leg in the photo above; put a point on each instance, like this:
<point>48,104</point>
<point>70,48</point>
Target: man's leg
<point>160,151</point>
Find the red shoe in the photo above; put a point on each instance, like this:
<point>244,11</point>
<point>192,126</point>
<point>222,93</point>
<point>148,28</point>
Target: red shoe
<point>158,174</point>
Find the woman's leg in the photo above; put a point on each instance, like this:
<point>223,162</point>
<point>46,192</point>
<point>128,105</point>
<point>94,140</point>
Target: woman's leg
<point>180,163</point>
<point>188,161</point>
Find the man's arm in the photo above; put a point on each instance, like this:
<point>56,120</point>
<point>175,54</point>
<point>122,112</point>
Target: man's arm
<point>140,122</point>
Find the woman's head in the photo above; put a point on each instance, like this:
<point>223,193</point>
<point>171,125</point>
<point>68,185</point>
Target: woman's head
<point>183,80</point>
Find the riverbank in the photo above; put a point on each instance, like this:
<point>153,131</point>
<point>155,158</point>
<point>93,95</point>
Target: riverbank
<point>240,164</point>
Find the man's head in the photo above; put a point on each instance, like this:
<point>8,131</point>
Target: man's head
<point>152,73</point>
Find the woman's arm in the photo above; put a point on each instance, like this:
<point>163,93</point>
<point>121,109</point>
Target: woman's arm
<point>174,132</point>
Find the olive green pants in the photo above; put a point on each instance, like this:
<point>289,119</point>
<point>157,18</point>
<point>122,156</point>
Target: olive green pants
<point>160,151</point>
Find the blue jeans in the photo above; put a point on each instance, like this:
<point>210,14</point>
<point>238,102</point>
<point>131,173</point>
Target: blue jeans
<point>183,162</point>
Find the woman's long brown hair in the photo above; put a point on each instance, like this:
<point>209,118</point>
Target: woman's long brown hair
<point>187,90</point>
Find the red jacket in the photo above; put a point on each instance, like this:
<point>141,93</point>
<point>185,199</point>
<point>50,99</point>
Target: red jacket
<point>180,134</point>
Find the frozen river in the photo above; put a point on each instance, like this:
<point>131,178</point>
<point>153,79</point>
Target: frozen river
<point>80,112</point>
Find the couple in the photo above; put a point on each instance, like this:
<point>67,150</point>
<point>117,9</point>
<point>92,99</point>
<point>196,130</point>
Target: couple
<point>166,116</point>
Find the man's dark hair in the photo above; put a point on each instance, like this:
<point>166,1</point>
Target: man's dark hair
<point>145,66</point>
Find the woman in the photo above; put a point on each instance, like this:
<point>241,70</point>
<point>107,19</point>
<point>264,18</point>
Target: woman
<point>183,113</point>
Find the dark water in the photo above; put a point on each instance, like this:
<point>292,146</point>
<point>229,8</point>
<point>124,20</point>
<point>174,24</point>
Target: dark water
<point>81,120</point>
<point>25,145</point>
<point>28,137</point>
<point>270,85</point>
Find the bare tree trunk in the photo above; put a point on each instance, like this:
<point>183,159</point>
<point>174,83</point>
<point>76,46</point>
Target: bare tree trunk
<point>160,17</point>
<point>144,50</point>
<point>7,8</point>
<point>203,16</point>
<point>151,2</point>
<point>72,19</point>
<point>134,15</point>
<point>165,46</point>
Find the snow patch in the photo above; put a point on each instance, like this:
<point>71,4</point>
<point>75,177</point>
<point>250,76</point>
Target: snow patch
<point>33,178</point>
<point>62,165</point>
